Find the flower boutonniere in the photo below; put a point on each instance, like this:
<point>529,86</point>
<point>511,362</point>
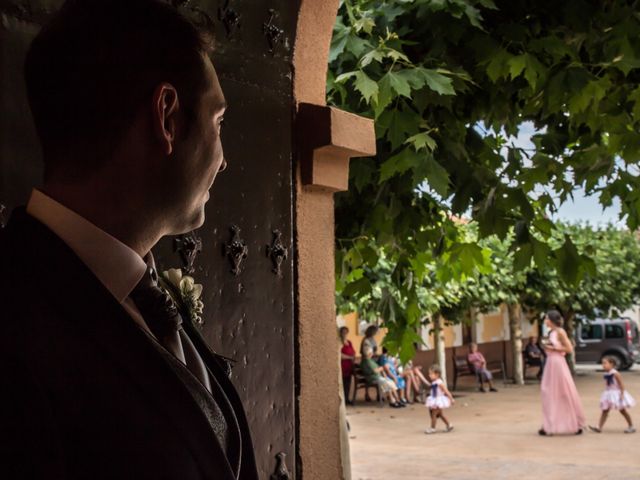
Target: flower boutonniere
<point>185,292</point>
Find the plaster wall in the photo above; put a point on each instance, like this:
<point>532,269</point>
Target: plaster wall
<point>318,400</point>
<point>320,449</point>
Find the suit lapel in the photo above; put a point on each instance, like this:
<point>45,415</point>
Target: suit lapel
<point>115,332</point>
<point>217,366</point>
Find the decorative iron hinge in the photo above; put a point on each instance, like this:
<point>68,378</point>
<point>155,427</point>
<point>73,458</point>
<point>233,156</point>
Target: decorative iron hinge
<point>271,31</point>
<point>236,250</point>
<point>281,473</point>
<point>2,219</point>
<point>188,247</point>
<point>229,18</point>
<point>277,252</point>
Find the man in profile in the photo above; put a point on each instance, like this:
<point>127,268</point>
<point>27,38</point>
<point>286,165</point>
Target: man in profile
<point>104,379</point>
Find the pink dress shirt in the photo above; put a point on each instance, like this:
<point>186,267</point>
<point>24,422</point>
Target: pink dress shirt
<point>114,264</point>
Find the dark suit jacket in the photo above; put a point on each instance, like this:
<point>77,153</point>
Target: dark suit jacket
<point>85,393</point>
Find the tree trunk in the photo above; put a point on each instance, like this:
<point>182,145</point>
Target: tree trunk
<point>515,330</point>
<point>570,328</point>
<point>438,345</point>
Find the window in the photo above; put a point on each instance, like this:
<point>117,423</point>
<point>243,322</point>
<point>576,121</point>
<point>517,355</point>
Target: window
<point>591,332</point>
<point>614,331</point>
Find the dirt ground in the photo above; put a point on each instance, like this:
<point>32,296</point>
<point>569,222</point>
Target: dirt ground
<point>495,437</point>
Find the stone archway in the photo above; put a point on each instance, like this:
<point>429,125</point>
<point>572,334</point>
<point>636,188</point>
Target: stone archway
<point>327,138</point>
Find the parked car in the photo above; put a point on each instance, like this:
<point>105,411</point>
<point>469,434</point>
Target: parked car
<point>618,338</point>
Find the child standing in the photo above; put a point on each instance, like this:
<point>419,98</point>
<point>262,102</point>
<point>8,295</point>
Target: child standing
<point>614,396</point>
<point>439,399</point>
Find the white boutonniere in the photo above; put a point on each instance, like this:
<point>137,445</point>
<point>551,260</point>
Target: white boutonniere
<point>185,292</point>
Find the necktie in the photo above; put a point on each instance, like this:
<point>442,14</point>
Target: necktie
<point>161,315</point>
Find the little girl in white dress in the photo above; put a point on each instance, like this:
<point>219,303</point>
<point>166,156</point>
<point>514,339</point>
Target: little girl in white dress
<point>439,399</point>
<point>614,396</point>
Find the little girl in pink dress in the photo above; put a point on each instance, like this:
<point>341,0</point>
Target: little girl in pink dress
<point>439,399</point>
<point>614,396</point>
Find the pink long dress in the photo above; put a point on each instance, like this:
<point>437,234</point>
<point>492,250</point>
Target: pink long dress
<point>561,405</point>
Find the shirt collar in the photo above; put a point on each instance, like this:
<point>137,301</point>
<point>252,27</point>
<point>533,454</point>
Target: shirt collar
<point>117,266</point>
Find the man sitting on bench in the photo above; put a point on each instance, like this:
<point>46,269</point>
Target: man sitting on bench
<point>479,364</point>
<point>534,356</point>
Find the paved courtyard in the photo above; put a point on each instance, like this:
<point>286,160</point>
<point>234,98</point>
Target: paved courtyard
<point>495,437</point>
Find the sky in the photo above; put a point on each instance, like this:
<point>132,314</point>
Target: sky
<point>581,208</point>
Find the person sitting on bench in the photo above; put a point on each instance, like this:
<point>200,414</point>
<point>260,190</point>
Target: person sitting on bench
<point>479,364</point>
<point>373,374</point>
<point>390,368</point>
<point>533,355</point>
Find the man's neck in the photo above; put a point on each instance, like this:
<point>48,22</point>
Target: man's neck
<point>121,216</point>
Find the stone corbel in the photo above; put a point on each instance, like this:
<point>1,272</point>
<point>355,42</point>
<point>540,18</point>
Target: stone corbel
<point>328,138</point>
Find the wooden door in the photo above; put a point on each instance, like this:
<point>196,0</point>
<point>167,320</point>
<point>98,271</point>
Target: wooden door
<point>243,254</point>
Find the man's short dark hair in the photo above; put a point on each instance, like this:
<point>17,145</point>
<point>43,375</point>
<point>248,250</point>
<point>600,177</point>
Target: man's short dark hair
<point>93,66</point>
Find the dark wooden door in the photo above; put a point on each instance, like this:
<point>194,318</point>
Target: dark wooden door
<point>249,312</point>
<point>245,258</point>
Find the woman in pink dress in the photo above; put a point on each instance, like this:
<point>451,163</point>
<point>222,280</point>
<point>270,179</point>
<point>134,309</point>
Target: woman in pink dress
<point>561,405</point>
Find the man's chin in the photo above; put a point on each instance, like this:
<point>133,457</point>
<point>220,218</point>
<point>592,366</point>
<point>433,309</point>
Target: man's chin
<point>193,222</point>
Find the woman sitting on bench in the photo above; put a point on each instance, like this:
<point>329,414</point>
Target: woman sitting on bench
<point>373,374</point>
<point>479,364</point>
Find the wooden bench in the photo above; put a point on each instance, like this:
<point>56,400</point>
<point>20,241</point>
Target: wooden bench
<point>359,382</point>
<point>462,367</point>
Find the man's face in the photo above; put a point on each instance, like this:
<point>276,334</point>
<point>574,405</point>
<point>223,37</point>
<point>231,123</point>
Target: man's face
<point>199,156</point>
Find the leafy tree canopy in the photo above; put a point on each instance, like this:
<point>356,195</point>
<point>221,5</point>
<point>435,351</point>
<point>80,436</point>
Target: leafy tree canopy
<point>450,83</point>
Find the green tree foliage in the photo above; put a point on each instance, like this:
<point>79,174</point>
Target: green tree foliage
<point>611,286</point>
<point>449,83</point>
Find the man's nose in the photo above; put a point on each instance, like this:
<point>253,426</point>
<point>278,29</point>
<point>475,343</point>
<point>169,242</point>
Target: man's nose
<point>223,166</point>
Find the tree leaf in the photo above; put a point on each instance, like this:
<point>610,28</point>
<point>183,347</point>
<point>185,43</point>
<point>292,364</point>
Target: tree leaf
<point>422,140</point>
<point>568,261</point>
<point>367,87</point>
<point>437,177</point>
<point>385,95</point>
<point>398,164</point>
<point>360,287</point>
<point>437,82</point>
<point>399,84</point>
<point>373,55</point>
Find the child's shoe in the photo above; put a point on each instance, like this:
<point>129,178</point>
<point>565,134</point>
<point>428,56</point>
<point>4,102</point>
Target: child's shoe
<point>595,429</point>
<point>631,429</point>
<point>449,428</point>
<point>430,430</point>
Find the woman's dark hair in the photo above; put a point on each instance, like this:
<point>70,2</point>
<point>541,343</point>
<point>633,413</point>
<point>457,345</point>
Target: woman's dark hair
<point>92,67</point>
<point>371,331</point>
<point>555,317</point>
<point>343,329</point>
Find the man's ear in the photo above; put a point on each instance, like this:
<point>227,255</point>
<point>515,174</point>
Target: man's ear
<point>164,116</point>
